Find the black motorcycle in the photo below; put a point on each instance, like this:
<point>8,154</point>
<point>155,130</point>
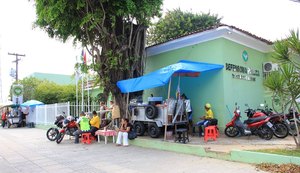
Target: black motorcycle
<point>52,132</point>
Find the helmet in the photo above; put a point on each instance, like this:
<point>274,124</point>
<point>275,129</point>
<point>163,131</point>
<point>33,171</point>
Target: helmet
<point>70,118</point>
<point>207,105</point>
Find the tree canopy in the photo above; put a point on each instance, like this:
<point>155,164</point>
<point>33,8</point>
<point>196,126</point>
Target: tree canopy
<point>46,91</point>
<point>285,83</point>
<point>113,32</point>
<point>177,23</point>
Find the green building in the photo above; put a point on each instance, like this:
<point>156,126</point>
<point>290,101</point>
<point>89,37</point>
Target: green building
<point>240,81</point>
<point>60,79</point>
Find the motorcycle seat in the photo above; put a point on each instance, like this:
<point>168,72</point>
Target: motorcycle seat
<point>254,120</point>
<point>275,115</point>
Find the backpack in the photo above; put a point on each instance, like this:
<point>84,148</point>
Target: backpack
<point>132,134</point>
<point>213,122</point>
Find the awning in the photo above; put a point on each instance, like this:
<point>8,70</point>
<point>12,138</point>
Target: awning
<point>161,76</point>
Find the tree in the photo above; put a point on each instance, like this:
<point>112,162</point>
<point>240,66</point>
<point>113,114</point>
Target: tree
<point>29,86</point>
<point>177,23</point>
<point>285,83</point>
<point>46,91</point>
<point>113,32</point>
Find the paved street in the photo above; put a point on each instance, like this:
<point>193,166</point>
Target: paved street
<point>28,150</point>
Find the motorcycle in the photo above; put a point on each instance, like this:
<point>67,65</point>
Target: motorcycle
<point>252,126</point>
<point>69,127</point>
<point>289,119</point>
<point>280,128</point>
<point>52,132</point>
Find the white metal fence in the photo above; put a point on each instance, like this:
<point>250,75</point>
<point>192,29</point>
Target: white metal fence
<point>45,114</point>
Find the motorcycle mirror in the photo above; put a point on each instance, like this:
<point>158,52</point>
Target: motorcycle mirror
<point>235,103</point>
<point>246,105</point>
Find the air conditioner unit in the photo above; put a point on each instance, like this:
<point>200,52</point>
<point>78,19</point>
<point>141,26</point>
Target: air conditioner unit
<point>269,67</point>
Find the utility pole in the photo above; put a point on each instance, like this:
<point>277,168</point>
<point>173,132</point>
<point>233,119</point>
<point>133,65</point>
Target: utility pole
<point>16,61</point>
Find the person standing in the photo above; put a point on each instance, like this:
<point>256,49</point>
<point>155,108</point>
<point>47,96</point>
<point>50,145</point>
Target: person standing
<point>205,119</point>
<point>115,112</point>
<point>102,110</point>
<point>3,118</point>
<point>189,112</point>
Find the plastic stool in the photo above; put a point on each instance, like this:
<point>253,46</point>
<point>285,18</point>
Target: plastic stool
<point>87,138</point>
<point>217,130</point>
<point>210,133</point>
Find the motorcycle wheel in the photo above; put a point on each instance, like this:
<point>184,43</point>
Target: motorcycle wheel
<point>52,133</point>
<point>280,130</point>
<point>231,131</point>
<point>266,133</point>
<point>292,130</point>
<point>60,137</point>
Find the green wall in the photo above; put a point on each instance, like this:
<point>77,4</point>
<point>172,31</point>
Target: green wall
<point>242,91</point>
<point>198,89</point>
<point>215,87</point>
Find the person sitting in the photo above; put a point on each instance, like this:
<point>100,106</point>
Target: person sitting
<point>83,125</point>
<point>205,119</point>
<point>95,123</point>
<point>123,131</point>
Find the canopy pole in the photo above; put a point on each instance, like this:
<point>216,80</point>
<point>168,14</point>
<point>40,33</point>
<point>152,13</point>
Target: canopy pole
<point>166,121</point>
<point>126,115</point>
<point>169,89</point>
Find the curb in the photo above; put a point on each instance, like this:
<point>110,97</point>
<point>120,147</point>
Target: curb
<point>257,157</point>
<point>234,155</point>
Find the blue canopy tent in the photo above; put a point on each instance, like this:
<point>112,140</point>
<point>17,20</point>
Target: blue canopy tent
<point>31,103</point>
<point>162,76</point>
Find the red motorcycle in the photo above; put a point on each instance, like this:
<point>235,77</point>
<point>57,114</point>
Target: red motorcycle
<point>69,127</point>
<point>52,132</point>
<point>280,128</point>
<point>252,126</point>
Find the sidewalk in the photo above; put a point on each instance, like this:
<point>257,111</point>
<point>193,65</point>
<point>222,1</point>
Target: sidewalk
<point>28,150</point>
<point>226,145</point>
<point>225,148</point>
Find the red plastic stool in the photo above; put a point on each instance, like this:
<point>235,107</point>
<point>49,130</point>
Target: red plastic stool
<point>210,133</point>
<point>217,130</point>
<point>87,138</point>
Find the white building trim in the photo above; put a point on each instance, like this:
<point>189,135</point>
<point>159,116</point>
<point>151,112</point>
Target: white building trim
<point>220,32</point>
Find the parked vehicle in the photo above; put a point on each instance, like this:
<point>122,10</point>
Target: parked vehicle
<point>289,119</point>
<point>155,115</point>
<point>280,128</point>
<point>252,126</point>
<point>53,131</point>
<point>69,127</point>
